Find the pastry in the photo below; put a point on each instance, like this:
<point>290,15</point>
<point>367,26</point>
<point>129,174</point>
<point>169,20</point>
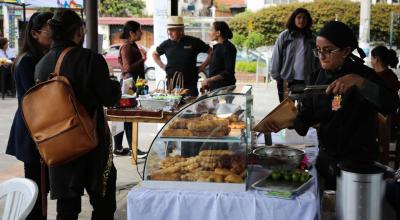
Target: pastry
<point>207,125</point>
<point>177,133</point>
<point>233,118</point>
<point>179,123</point>
<point>216,178</point>
<point>216,132</point>
<point>208,117</point>
<point>223,172</point>
<point>233,178</point>
<point>237,125</point>
<point>215,152</point>
<point>165,176</point>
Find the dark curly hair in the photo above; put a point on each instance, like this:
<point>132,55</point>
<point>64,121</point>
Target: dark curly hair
<point>290,24</point>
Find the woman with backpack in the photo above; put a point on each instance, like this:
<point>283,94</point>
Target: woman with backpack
<point>89,77</point>
<point>36,43</point>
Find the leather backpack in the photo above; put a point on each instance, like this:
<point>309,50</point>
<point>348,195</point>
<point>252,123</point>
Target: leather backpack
<point>60,126</point>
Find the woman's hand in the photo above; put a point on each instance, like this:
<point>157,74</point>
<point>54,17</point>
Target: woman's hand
<point>344,83</point>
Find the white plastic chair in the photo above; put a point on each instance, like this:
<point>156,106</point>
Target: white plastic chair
<point>20,195</point>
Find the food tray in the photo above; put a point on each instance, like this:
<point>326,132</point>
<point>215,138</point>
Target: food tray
<point>281,188</point>
<point>158,104</point>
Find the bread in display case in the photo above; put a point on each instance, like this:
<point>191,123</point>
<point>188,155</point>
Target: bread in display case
<point>204,146</point>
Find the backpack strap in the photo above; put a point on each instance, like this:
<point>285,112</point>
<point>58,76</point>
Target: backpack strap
<point>60,60</point>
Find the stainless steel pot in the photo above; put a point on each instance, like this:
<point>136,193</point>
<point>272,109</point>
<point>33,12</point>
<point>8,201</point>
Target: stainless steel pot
<point>360,190</point>
<point>279,157</point>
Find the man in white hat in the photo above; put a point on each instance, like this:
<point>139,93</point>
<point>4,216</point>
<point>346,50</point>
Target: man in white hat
<point>181,52</point>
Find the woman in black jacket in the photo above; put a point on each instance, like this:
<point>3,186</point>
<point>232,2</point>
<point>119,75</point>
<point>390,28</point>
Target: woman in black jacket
<point>223,58</point>
<point>88,74</point>
<point>20,144</point>
<point>347,112</point>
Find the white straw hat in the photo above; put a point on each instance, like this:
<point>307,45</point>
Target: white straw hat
<point>175,22</point>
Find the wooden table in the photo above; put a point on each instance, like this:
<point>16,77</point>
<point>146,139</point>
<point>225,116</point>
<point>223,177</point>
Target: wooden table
<point>135,116</point>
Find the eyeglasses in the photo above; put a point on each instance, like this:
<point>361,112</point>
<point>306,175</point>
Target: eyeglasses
<point>325,52</point>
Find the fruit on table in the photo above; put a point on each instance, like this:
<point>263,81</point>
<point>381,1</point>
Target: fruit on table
<point>291,175</point>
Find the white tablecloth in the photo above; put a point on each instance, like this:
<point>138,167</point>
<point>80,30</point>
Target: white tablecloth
<point>157,204</point>
<point>152,204</point>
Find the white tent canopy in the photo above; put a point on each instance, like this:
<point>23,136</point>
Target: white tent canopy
<point>48,3</point>
<point>55,3</point>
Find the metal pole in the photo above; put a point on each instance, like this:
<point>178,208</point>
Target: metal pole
<point>24,12</point>
<point>391,30</point>
<point>365,19</point>
<point>174,7</point>
<point>91,24</point>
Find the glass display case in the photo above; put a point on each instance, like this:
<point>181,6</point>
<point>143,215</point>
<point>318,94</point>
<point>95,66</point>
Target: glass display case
<point>204,146</point>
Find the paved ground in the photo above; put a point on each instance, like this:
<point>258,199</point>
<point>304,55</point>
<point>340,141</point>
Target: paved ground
<point>265,98</point>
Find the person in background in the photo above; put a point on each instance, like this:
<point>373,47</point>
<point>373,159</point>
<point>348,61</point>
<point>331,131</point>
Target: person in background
<point>347,112</point>
<point>181,52</point>
<point>292,57</point>
<point>131,59</point>
<point>36,43</point>
<point>8,54</point>
<point>89,76</point>
<point>381,59</point>
<point>223,58</point>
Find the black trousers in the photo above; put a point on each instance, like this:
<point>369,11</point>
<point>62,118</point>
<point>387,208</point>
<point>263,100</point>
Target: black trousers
<point>119,137</point>
<point>393,196</point>
<point>32,171</point>
<point>103,207</point>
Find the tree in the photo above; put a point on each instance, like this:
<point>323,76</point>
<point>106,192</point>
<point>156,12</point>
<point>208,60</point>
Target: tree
<point>121,8</point>
<point>254,40</point>
<point>238,40</point>
<point>271,21</point>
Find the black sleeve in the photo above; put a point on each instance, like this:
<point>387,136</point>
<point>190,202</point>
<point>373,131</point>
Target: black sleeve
<point>229,62</point>
<point>201,46</point>
<point>107,90</point>
<point>162,48</point>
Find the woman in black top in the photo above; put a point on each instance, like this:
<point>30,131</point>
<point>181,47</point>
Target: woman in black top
<point>381,59</point>
<point>346,114</point>
<point>223,58</point>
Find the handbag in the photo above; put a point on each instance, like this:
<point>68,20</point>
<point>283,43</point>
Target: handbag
<point>60,126</point>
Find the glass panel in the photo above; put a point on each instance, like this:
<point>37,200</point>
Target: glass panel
<point>204,142</point>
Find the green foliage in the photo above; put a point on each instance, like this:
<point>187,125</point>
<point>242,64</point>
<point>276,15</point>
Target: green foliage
<point>121,8</point>
<point>244,66</point>
<point>254,40</point>
<point>238,40</point>
<point>271,21</point>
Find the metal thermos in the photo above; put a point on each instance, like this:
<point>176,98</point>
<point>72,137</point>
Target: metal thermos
<point>360,191</point>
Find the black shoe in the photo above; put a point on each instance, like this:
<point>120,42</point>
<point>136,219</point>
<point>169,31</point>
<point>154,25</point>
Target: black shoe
<point>141,154</point>
<point>122,152</point>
